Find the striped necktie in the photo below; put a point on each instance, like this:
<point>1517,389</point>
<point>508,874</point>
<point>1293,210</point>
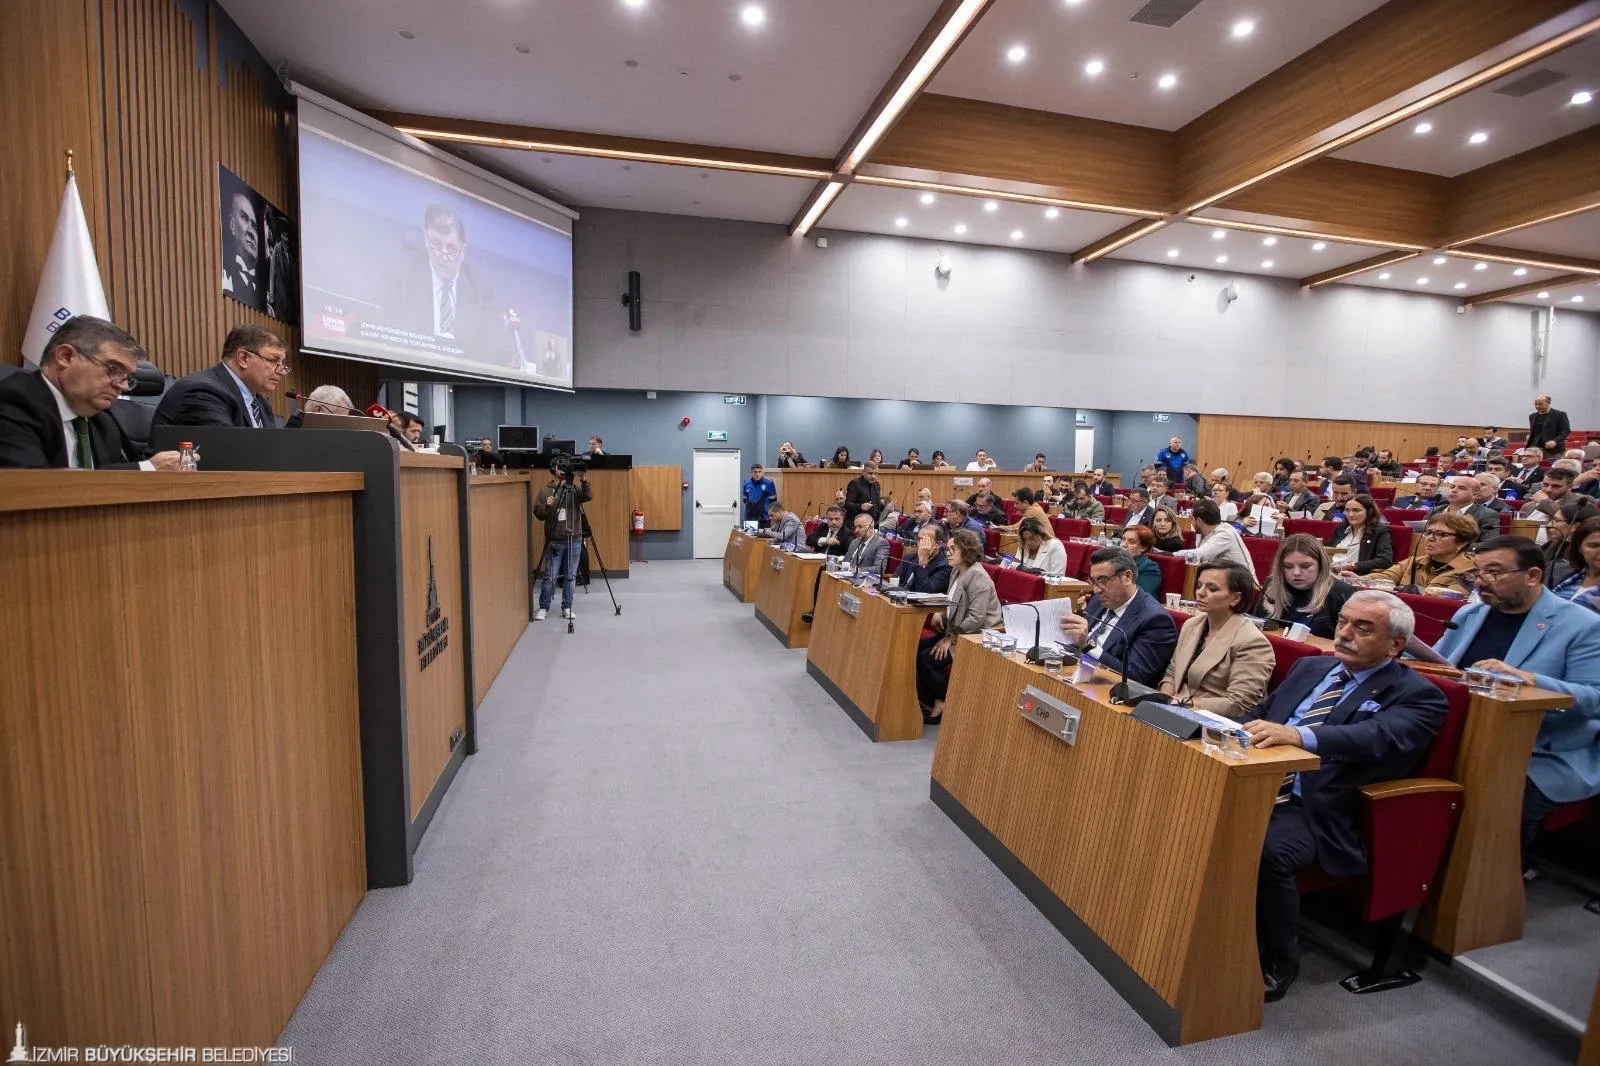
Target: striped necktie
<point>80,427</point>
<point>1315,714</point>
<point>447,308</point>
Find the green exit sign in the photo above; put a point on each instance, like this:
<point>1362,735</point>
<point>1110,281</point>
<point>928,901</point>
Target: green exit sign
<point>716,434</point>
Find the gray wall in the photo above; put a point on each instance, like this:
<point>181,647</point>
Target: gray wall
<point>1136,437</point>
<point>742,307</point>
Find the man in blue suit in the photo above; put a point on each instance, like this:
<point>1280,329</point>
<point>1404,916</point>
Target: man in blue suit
<point>1524,629</point>
<point>1123,626</point>
<point>1370,719</point>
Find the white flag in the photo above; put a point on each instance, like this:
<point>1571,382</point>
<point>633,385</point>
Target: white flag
<point>70,284</point>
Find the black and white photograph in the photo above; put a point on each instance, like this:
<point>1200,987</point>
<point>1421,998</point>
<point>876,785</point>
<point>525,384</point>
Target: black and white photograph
<point>258,256</point>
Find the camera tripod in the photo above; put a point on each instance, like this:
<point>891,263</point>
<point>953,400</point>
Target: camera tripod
<point>586,535</point>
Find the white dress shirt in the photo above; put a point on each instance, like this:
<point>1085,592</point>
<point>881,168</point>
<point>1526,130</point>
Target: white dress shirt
<point>975,465</point>
<point>1101,631</point>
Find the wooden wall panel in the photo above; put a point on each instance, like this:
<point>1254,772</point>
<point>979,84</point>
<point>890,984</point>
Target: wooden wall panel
<point>658,492</point>
<point>148,147</point>
<point>501,508</point>
<point>1245,445</point>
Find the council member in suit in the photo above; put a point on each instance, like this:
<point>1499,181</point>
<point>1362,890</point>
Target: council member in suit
<point>1370,719</point>
<point>1461,496</point>
<point>1523,628</point>
<point>1547,427</point>
<point>927,569</point>
<point>864,494</point>
<point>234,392</point>
<point>241,249</point>
<point>1123,627</point>
<point>1300,501</point>
<point>831,538</point>
<point>974,607</point>
<point>1222,662</point>
<point>59,415</point>
<point>783,527</point>
<point>1140,513</point>
<point>869,550</point>
<point>1424,495</point>
<point>441,294</point>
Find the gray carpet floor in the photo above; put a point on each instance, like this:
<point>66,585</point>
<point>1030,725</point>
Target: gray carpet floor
<point>673,847</point>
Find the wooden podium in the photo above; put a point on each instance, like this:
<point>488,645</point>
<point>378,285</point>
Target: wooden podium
<point>414,633</point>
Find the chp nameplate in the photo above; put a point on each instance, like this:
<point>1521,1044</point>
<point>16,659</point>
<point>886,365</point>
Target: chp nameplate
<point>850,604</point>
<point>1050,714</point>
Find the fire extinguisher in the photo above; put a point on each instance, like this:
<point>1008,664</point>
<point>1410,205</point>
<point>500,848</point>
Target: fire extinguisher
<point>638,523</point>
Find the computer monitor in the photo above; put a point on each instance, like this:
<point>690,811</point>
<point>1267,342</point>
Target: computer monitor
<point>517,439</point>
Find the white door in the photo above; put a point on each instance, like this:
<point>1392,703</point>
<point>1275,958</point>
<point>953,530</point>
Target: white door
<point>716,484</point>
<point>1083,448</point>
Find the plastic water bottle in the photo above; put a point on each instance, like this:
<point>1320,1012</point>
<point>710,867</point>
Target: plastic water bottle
<point>188,458</point>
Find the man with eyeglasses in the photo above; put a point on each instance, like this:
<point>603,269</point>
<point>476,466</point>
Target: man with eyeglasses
<point>60,415</point>
<point>441,294</point>
<point>1123,626</point>
<point>1522,628</point>
<point>234,392</point>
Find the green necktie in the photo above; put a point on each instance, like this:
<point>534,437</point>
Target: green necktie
<point>80,425</point>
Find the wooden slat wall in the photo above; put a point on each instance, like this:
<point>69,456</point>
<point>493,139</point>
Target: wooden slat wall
<point>167,116</point>
<point>1245,445</point>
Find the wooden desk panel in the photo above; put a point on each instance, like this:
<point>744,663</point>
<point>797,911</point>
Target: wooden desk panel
<point>785,594</point>
<point>1589,1053</point>
<point>182,789</point>
<point>502,572</point>
<point>741,565</point>
<point>610,514</point>
<point>430,548</point>
<point>868,661</point>
<point>1142,849</point>
<point>658,492</point>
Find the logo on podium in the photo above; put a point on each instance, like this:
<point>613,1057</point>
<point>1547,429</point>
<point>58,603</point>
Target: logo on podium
<point>436,628</point>
<point>19,1050</point>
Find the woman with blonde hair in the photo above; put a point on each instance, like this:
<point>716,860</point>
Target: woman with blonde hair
<point>1302,587</point>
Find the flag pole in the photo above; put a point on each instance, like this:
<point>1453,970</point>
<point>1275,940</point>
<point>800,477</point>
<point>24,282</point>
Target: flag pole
<point>70,171</point>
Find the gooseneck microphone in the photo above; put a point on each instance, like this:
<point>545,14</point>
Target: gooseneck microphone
<point>302,399</point>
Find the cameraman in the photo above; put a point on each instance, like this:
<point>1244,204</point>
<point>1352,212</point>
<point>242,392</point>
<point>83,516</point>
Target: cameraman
<point>557,507</point>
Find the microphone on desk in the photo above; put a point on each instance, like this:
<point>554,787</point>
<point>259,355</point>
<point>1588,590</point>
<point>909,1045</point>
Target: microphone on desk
<point>302,399</point>
<point>1035,653</point>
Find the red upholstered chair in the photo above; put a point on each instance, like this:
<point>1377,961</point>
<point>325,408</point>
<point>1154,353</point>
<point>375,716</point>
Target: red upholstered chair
<point>1432,612</point>
<point>1399,516</point>
<point>1078,553</point>
<point>1013,511</point>
<point>1405,827</point>
<point>1188,538</point>
<point>938,512</point>
<point>1285,653</point>
<point>1505,521</point>
<point>1262,551</point>
<point>1383,495</point>
<point>991,542</point>
<point>1316,527</point>
<point>812,525</point>
<point>1570,814</point>
<point>1173,571</point>
<point>1400,536</point>
<point>1070,527</point>
<point>897,548</point>
<point>1116,515</point>
<point>1013,586</point>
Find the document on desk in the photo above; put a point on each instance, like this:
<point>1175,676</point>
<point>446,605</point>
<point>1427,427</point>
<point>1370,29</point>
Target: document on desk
<point>810,555</point>
<point>1019,618</point>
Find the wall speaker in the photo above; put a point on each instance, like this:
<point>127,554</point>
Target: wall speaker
<point>634,302</point>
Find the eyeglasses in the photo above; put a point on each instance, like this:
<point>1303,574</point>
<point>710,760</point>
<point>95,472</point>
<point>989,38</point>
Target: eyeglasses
<point>1496,575</point>
<point>279,366</point>
<point>448,251</point>
<point>119,376</point>
<point>1102,582</point>
<point>1436,534</point>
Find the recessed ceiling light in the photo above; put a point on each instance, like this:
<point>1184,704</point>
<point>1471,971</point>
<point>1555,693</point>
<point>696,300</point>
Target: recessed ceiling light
<point>1542,296</point>
<point>1243,28</point>
<point>407,34</point>
<point>1319,246</point>
<point>1519,272</point>
<point>1385,276</point>
<point>1052,212</point>
<point>1172,253</point>
<point>1016,53</point>
<point>990,205</point>
<point>753,15</point>
<point>1094,66</point>
<point>1016,235</point>
<point>1422,281</point>
<point>1166,81</point>
<point>1222,259</point>
<point>1266,264</point>
<point>1480,266</point>
<point>1438,260</point>
<point>1478,138</point>
<point>1218,234</point>
<point>1460,285</point>
<point>926,198</point>
<point>902,222</point>
<point>634,3</point>
<point>1577,299</point>
<point>961,227</point>
<point>1581,97</point>
<point>1268,242</point>
<point>1422,127</point>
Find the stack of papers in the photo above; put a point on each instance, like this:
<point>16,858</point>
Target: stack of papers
<point>1020,620</point>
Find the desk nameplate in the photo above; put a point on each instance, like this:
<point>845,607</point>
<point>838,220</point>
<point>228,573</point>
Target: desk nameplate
<point>850,604</point>
<point>1054,716</point>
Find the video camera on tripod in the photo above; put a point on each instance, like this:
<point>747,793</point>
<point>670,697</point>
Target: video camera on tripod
<point>568,466</point>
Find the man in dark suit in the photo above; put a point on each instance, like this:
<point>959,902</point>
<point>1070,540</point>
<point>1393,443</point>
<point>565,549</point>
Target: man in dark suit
<point>1123,626</point>
<point>864,494</point>
<point>869,550</point>
<point>1371,720</point>
<point>1547,427</point>
<point>1461,497</point>
<point>1425,496</point>
<point>58,416</point>
<point>439,294</point>
<point>232,393</point>
<point>1140,513</point>
<point>241,250</point>
<point>833,537</point>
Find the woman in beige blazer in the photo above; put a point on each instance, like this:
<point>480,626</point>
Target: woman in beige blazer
<point>974,606</point>
<point>1222,662</point>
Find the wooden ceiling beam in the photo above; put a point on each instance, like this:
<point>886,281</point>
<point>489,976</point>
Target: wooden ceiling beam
<point>1341,199</point>
<point>1522,257</point>
<point>604,146</point>
<point>1112,241</point>
<point>1540,185</point>
<point>1514,291</point>
<point>1350,270</point>
<point>1402,59</point>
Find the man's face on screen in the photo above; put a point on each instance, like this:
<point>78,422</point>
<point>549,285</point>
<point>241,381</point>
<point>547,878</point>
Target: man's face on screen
<point>445,249</point>
<point>242,226</point>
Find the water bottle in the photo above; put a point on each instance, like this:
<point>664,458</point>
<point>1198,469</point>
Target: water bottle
<point>188,458</point>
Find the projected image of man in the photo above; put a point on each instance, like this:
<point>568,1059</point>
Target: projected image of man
<point>439,293</point>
